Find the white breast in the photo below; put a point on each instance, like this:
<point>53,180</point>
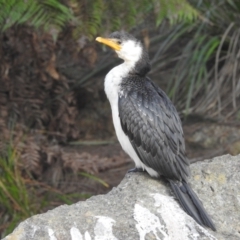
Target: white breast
<point>112,90</point>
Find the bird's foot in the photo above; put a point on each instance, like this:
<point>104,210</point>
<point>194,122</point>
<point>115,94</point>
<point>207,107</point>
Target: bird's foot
<point>135,170</point>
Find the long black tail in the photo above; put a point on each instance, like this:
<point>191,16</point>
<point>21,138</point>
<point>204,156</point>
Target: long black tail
<point>191,203</point>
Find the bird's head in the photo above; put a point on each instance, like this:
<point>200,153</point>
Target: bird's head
<point>129,49</point>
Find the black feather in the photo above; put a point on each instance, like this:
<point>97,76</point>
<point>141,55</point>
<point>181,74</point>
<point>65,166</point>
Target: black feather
<point>150,113</point>
<point>191,203</point>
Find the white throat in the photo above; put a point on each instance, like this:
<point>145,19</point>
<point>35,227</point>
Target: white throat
<point>130,52</point>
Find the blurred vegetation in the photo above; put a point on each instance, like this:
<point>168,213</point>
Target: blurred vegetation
<point>92,16</point>
<point>103,16</point>
<point>208,31</point>
<point>14,198</point>
<point>21,196</point>
<point>206,73</point>
<point>43,13</point>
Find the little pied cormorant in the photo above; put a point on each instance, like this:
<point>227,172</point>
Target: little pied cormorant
<point>147,124</point>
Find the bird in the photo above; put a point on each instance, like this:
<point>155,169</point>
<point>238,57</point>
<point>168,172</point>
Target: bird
<point>147,123</point>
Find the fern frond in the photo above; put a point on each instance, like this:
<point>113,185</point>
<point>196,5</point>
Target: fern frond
<point>109,15</point>
<point>175,11</point>
<point>92,16</point>
<point>36,13</point>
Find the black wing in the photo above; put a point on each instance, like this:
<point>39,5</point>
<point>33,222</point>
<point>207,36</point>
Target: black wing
<point>154,128</point>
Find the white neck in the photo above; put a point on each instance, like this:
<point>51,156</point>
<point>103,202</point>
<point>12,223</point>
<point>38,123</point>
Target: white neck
<point>130,52</point>
<point>113,80</point>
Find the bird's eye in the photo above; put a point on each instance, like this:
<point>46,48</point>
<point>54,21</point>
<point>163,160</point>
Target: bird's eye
<point>119,42</point>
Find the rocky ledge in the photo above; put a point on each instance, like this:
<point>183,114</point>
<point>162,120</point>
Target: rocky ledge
<point>144,208</point>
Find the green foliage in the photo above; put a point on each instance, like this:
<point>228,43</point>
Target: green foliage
<point>37,13</point>
<point>92,16</point>
<point>206,72</point>
<point>21,196</point>
<point>95,16</point>
<point>14,198</point>
<point>175,11</point>
<point>89,16</point>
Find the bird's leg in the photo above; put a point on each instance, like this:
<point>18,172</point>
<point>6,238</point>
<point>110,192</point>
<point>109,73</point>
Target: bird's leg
<point>136,169</point>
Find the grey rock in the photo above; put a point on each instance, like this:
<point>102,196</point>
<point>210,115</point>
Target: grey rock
<point>144,208</point>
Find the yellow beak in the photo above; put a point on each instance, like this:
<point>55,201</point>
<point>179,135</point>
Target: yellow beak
<point>109,42</point>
